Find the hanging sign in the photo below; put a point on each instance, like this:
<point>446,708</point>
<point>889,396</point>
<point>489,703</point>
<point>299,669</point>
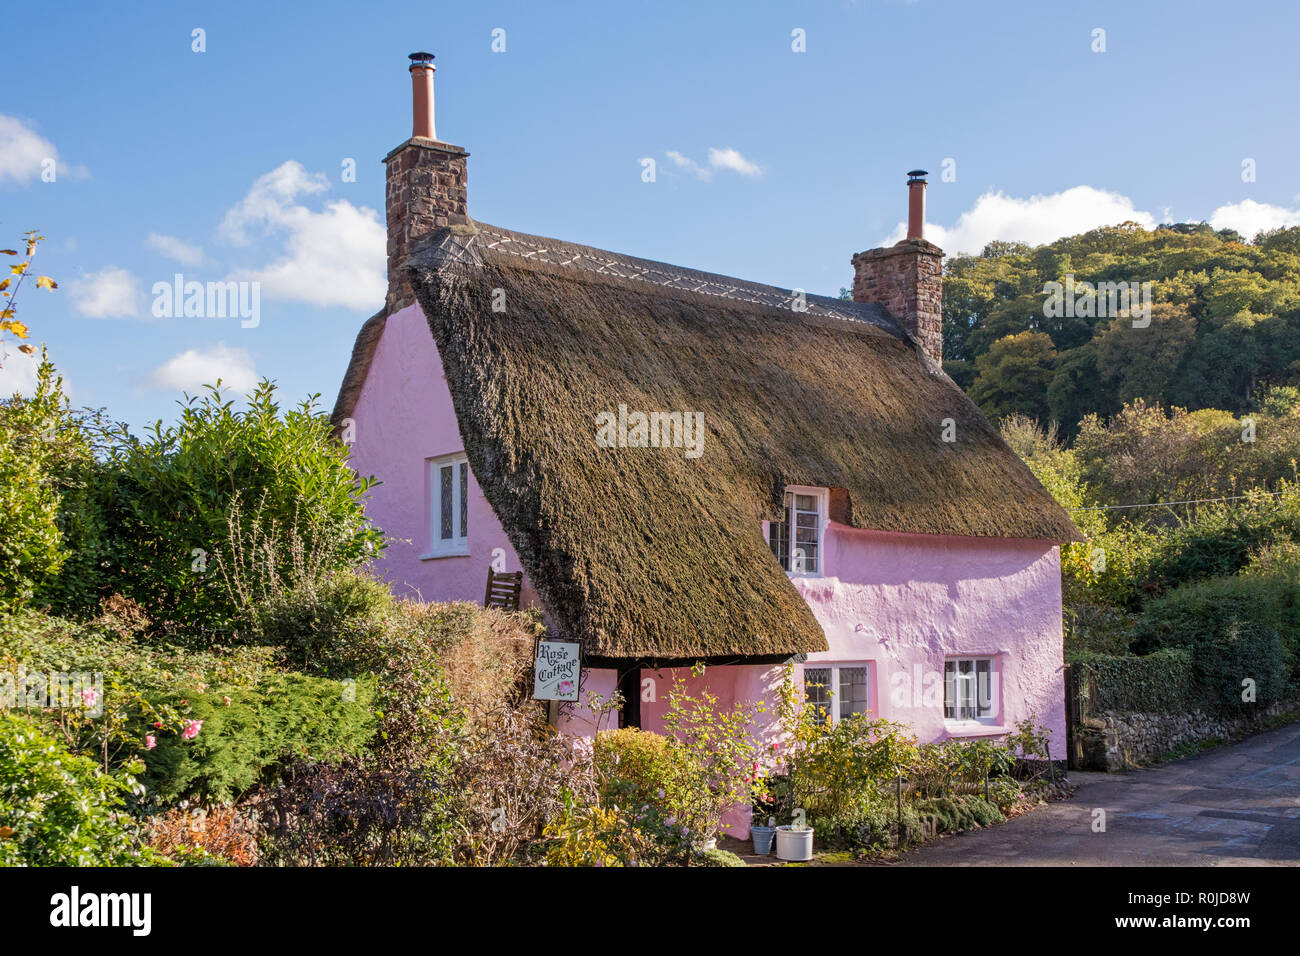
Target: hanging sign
<point>556,671</point>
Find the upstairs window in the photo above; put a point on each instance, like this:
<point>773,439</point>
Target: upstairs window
<point>450,486</point>
<point>796,540</point>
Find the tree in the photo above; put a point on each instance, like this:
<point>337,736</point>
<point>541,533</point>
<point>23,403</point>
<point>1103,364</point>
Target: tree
<point>1143,362</point>
<point>30,542</point>
<point>1076,389</point>
<point>1226,320</point>
<point>1012,376</point>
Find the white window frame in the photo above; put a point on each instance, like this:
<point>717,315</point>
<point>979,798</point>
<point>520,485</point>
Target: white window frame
<point>458,544</point>
<point>995,691</point>
<point>833,691</point>
<point>823,496</point>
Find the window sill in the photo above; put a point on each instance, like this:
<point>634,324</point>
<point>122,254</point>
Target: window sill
<point>973,728</point>
<point>445,554</point>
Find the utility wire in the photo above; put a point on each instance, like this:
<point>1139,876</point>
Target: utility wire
<point>1189,501</point>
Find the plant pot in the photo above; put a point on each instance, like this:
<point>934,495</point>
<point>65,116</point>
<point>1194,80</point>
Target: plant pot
<point>762,839</point>
<point>701,845</point>
<point>794,845</point>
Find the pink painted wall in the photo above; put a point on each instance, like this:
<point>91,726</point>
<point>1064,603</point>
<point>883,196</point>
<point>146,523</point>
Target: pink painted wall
<point>403,417</point>
<point>579,718</point>
<point>906,602</point>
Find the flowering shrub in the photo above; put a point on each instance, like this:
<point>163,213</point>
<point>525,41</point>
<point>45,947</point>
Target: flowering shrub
<point>57,809</point>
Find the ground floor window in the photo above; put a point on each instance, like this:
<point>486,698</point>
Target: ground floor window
<point>837,691</point>
<point>969,688</point>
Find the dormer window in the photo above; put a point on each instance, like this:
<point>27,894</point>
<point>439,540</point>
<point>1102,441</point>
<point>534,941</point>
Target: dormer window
<point>796,540</point>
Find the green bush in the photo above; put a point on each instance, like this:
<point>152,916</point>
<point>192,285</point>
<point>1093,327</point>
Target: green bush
<point>654,783</point>
<point>33,430</point>
<point>61,809</point>
<point>1205,612</point>
<point>321,624</point>
<point>1224,662</point>
<point>229,496</point>
<point>424,656</point>
<point>962,812</point>
<point>1220,541</point>
<point>872,826</point>
<point>272,717</point>
<point>1189,614</point>
<point>837,770</point>
<point>719,858</point>
<point>1098,628</point>
<point>635,767</point>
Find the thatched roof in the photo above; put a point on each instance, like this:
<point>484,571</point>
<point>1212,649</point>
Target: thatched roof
<point>644,552</point>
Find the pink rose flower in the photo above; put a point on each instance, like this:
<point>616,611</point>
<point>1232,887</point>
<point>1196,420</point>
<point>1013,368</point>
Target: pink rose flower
<point>158,724</point>
<point>88,697</point>
<point>150,741</point>
<point>192,728</point>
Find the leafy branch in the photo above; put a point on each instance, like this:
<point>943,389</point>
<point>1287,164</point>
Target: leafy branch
<point>10,284</point>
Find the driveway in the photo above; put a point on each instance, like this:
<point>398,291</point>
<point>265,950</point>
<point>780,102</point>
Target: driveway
<point>1238,805</point>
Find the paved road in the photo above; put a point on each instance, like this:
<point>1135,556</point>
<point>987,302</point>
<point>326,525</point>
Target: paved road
<point>1235,806</point>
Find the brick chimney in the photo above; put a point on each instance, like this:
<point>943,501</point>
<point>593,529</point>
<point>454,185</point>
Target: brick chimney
<point>906,279</point>
<point>426,184</point>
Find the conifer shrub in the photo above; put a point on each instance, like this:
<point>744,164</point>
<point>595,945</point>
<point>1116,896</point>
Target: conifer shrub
<point>233,738</point>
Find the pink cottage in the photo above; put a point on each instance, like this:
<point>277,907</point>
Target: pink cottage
<point>693,468</point>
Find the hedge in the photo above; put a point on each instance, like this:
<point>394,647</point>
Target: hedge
<point>1163,682</point>
<point>1208,676</point>
<point>1225,663</point>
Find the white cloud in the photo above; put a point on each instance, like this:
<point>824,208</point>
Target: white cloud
<point>1249,217</point>
<point>23,150</point>
<point>335,256</point>
<point>191,370</point>
<point>1036,220</point>
<point>269,200</point>
<point>718,159</point>
<point>688,164</point>
<point>731,159</point>
<point>173,248</point>
<point>18,372</point>
<point>110,293</point>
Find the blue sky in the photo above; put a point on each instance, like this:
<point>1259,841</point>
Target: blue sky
<point>170,160</point>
